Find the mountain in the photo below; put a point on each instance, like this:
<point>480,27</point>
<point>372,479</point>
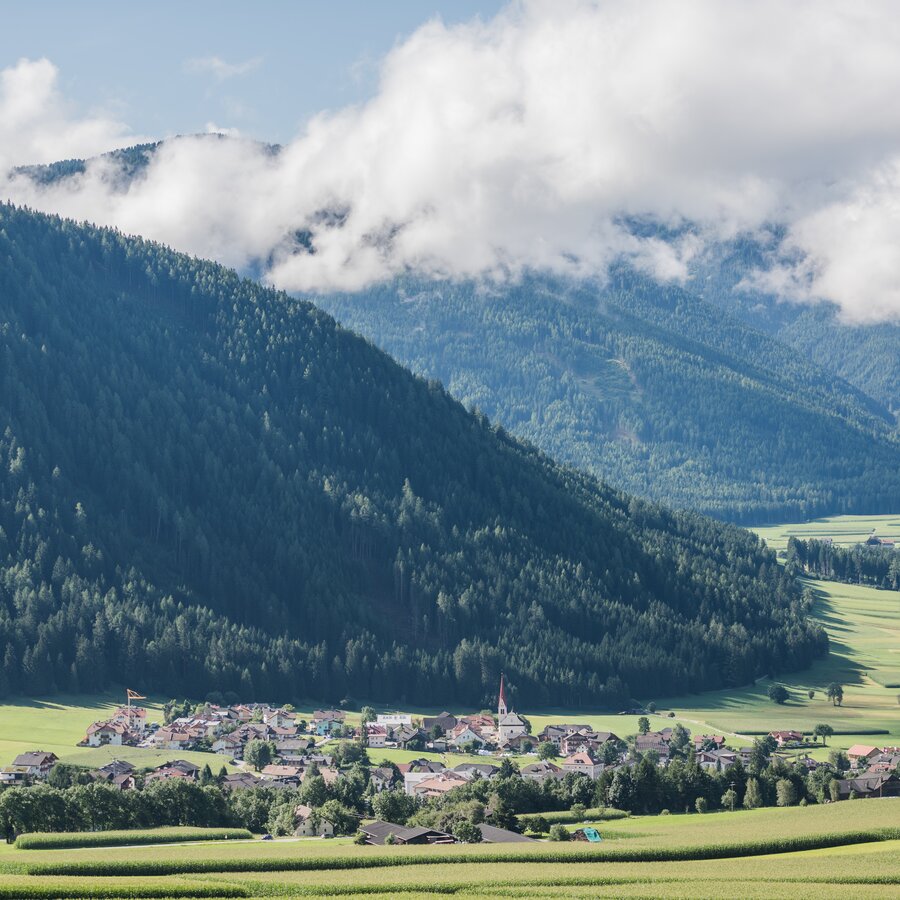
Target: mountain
<point>710,396</point>
<point>647,386</point>
<point>208,485</point>
<point>867,356</point>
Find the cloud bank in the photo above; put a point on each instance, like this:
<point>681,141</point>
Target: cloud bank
<point>530,139</point>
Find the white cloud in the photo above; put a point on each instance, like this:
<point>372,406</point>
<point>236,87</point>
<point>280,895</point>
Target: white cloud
<point>219,68</point>
<point>37,126</point>
<point>525,141</point>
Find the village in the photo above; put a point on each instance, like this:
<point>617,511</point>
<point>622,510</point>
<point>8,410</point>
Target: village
<point>272,747</point>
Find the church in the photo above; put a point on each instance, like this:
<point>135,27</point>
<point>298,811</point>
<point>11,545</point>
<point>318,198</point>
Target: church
<point>509,724</point>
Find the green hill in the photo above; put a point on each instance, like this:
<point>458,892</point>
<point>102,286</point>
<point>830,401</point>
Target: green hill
<point>647,386</point>
<point>205,485</point>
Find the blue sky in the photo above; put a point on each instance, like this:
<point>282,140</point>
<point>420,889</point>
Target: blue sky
<point>290,60</point>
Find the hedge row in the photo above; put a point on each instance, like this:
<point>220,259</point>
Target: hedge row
<point>67,840</point>
<point>543,855</point>
<point>595,814</point>
<point>837,731</point>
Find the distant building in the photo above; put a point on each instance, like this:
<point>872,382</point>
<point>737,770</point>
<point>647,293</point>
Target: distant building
<point>36,763</point>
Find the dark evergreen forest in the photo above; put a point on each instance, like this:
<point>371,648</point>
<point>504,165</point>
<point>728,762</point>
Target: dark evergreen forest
<point>208,485</point>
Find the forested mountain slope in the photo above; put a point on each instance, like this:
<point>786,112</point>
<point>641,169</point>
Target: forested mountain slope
<point>866,355</point>
<point>711,397</point>
<point>647,386</point>
<point>207,484</point>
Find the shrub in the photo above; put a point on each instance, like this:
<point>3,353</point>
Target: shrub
<point>558,833</point>
<point>701,805</point>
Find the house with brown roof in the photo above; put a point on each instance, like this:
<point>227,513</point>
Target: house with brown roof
<point>584,762</point>
<point>783,738</point>
<point>860,754</point>
<point>289,774</point>
<point>884,784</point>
<point>36,763</point>
<point>113,734</point>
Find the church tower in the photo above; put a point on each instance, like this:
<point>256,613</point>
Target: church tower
<point>501,703</point>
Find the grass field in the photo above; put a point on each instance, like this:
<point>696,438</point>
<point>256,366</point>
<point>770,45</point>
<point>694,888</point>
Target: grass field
<point>843,530</point>
<point>848,847</point>
<point>58,723</point>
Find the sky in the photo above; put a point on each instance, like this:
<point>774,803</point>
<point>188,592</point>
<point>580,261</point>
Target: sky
<point>170,68</point>
<point>477,141</point>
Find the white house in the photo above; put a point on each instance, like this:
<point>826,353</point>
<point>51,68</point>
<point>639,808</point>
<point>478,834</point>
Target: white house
<point>309,823</point>
<point>101,734</point>
<point>376,735</point>
<point>582,762</point>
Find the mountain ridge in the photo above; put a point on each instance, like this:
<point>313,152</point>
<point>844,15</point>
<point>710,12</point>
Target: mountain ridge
<point>373,538</point>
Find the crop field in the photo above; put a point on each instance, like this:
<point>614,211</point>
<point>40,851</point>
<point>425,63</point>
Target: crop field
<point>813,852</point>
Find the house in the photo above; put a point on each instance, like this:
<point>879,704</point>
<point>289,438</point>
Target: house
<point>715,760</point>
<point>328,726</point>
<point>377,832</point>
<point>328,715</point>
<point>490,834</point>
<point>292,748</point>
<point>782,738</point>
<point>182,765</point>
<point>884,762</point>
<point>478,722</point>
<point>36,763</point>
<point>553,734</point>
<point>102,734</point>
<point>885,784</point>
<point>860,754</point>
<point>116,767</point>
<point>382,778</point>
<point>655,741</point>
<point>376,735</point>
<point>443,720</point>
<point>310,823</point>
<point>134,718</point>
<point>711,741</point>
<point>463,735</point>
<point>541,771</point>
<point>521,743</point>
<point>279,718</point>
<point>229,745</point>
<point>287,774</point>
<point>483,770</point>
<point>417,771</point>
<point>583,762</point>
<point>239,781</point>
<point>164,773</point>
<point>438,785</point>
<point>12,775</point>
<point>406,735</point>
<point>586,740</point>
<point>172,739</point>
